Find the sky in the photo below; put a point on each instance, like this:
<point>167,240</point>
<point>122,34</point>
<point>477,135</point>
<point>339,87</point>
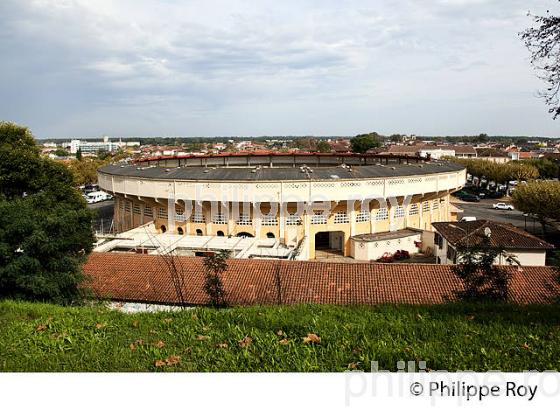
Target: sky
<point>76,68</point>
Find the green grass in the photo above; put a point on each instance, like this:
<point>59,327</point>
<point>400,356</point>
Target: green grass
<point>42,337</point>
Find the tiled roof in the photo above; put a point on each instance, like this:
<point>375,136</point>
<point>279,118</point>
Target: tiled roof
<point>147,278</point>
<point>502,235</point>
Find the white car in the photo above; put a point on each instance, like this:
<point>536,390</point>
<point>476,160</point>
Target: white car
<point>99,196</point>
<point>503,206</point>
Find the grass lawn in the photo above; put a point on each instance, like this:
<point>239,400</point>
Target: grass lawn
<point>42,337</point>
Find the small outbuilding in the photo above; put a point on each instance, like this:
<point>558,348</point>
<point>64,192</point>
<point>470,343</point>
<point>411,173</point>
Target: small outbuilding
<point>527,249</point>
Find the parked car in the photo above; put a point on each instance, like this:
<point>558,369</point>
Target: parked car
<point>467,219</point>
<point>503,206</point>
<point>470,198</point>
<point>494,195</point>
<point>99,196</point>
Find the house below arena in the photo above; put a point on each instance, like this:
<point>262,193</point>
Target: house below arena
<point>527,249</point>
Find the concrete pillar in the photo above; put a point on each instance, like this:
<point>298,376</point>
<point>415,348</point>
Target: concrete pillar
<point>352,217</point>
<point>256,221</point>
<point>282,210</point>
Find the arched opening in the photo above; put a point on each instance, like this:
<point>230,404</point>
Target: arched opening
<point>163,228</point>
<point>220,233</point>
<point>199,232</point>
<point>270,235</point>
<point>180,231</point>
<point>245,235</point>
<point>329,244</point>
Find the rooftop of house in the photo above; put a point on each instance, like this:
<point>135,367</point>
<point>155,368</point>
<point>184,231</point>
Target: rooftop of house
<point>149,279</point>
<point>502,235</point>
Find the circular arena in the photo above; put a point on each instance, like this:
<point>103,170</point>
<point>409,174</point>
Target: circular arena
<point>291,206</point>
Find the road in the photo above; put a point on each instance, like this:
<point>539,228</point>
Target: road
<point>484,210</point>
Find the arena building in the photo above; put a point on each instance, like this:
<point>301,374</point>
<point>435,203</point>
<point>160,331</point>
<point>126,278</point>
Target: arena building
<point>290,206</point>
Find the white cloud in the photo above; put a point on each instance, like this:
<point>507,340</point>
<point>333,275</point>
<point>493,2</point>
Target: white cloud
<point>234,67</point>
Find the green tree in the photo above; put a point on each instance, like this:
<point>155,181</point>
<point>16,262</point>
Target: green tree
<point>481,138</point>
<point>482,279</point>
<point>323,146</point>
<point>540,198</point>
<point>542,42</point>
<point>363,142</point>
<point>45,226</point>
<point>547,168</point>
<point>214,266</point>
<point>79,155</point>
<point>85,171</point>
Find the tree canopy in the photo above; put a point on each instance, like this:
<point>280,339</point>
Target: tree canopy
<point>363,142</point>
<point>543,41</point>
<point>540,198</point>
<point>499,173</point>
<point>45,226</point>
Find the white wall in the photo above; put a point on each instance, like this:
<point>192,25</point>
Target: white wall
<point>375,249</point>
<point>524,257</point>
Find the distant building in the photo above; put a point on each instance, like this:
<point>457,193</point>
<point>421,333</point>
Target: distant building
<point>433,151</point>
<point>526,248</point>
<point>94,147</point>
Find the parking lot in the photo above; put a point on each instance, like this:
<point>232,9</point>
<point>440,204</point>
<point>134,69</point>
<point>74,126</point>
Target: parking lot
<point>484,210</point>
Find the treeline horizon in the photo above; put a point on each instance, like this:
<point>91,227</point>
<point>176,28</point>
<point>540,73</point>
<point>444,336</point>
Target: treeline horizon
<point>147,140</point>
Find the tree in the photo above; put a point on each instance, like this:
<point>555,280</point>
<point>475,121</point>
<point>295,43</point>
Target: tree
<point>323,146</point>
<point>520,171</point>
<point>85,171</point>
<point>45,226</point>
<point>546,168</point>
<point>543,42</point>
<point>482,279</point>
<point>540,198</point>
<point>363,142</point>
<point>214,266</point>
<point>59,152</point>
<point>79,155</point>
<point>481,138</point>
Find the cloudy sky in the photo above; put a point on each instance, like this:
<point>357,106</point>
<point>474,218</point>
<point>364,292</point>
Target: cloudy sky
<point>177,67</point>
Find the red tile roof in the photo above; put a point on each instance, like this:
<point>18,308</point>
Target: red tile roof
<point>502,235</point>
<point>147,278</point>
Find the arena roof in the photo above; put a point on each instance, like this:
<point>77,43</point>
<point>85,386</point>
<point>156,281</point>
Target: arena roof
<point>234,173</point>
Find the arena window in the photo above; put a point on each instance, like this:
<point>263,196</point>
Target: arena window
<point>179,213</point>
<point>148,211</point>
<point>219,219</point>
<point>341,218</point>
<point>198,217</point>
<point>362,216</point>
<point>268,220</point>
<point>244,219</point>
<point>318,218</point>
<point>413,210</point>
<point>382,214</point>
<point>293,219</point>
